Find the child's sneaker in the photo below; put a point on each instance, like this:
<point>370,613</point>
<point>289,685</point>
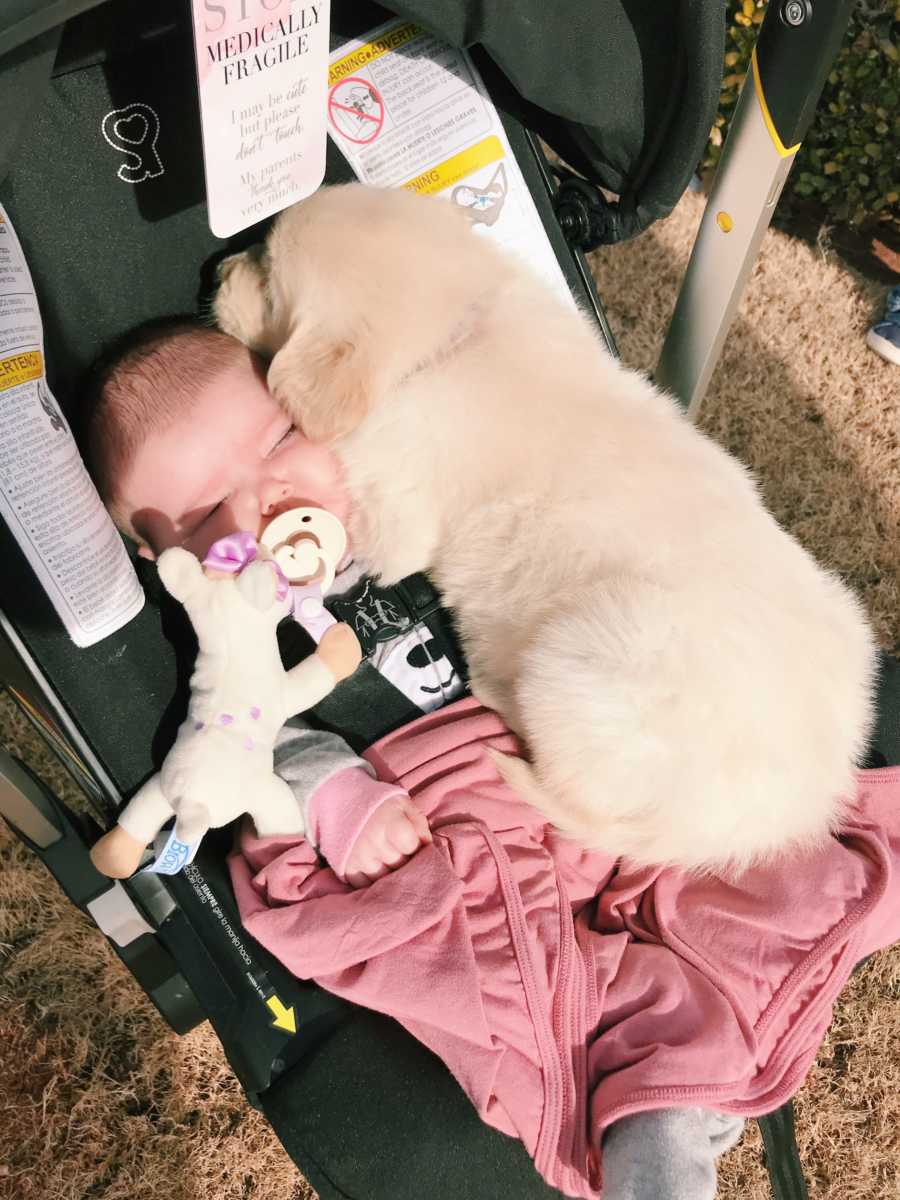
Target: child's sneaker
<point>884,337</point>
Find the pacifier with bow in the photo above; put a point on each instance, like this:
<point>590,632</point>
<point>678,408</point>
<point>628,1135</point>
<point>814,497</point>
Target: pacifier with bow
<point>307,544</point>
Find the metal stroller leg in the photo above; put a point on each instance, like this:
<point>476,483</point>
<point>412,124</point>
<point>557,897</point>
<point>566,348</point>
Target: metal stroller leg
<point>797,45</point>
<point>782,1158</point>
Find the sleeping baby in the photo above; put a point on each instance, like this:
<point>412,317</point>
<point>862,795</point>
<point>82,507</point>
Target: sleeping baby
<point>187,446</point>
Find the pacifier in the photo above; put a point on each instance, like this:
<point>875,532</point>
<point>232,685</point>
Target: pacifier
<point>308,545</point>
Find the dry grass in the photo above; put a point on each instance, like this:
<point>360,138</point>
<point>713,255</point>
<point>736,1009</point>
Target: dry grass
<point>98,1101</point>
<point>797,395</point>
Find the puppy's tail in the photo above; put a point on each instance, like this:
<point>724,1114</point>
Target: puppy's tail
<point>521,778</point>
<point>525,782</point>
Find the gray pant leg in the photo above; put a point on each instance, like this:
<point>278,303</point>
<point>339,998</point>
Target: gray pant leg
<point>306,758</point>
<point>666,1155</point>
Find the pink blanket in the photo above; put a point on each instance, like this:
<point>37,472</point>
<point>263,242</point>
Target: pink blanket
<point>564,991</point>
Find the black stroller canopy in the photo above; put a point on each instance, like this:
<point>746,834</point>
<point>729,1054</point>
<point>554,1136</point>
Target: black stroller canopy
<point>623,90</point>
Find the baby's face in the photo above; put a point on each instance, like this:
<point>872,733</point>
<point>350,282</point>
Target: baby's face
<point>232,462</point>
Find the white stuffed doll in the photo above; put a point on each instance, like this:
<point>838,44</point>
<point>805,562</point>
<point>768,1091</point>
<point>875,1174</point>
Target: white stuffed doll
<point>222,762</point>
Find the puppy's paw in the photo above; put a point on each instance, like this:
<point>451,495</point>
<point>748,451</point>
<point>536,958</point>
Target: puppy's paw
<point>241,305</point>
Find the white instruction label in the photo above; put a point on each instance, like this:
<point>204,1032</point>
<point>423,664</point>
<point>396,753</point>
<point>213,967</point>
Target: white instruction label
<point>261,75</point>
<point>407,110</point>
<point>46,495</point>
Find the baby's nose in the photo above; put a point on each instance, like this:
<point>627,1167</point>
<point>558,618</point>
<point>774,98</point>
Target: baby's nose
<point>274,494</point>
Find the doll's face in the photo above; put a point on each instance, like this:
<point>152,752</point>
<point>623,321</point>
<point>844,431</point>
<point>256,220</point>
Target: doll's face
<point>233,461</point>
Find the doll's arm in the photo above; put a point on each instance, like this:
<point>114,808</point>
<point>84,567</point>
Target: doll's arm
<point>306,684</point>
<point>147,811</point>
<point>184,579</point>
<point>337,656</point>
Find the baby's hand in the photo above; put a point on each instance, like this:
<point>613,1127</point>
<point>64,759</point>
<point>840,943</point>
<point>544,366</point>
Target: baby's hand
<point>392,834</point>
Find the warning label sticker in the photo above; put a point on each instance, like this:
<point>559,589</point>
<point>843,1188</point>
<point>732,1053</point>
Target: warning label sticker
<point>46,495</point>
<point>407,110</point>
<point>20,368</point>
<point>346,64</point>
<point>356,110</point>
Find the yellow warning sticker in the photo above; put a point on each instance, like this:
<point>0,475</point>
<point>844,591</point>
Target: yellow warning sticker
<point>445,174</point>
<point>363,55</point>
<point>20,368</point>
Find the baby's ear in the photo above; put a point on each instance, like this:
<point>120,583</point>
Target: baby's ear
<point>325,384</point>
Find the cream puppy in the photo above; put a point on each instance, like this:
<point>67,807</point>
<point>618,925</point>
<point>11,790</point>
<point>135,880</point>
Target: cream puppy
<point>691,687</point>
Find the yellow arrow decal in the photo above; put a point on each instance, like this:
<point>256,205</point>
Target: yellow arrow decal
<point>284,1017</point>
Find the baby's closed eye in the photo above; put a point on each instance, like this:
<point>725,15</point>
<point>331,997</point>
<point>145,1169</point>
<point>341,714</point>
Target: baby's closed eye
<point>284,437</point>
<point>198,521</point>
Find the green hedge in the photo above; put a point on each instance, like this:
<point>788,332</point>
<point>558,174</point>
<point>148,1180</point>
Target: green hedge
<point>849,162</point>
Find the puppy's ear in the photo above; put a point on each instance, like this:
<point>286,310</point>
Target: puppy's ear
<point>323,383</point>
<point>240,305</point>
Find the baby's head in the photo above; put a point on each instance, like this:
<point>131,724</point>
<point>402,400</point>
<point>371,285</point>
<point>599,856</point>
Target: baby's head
<point>186,445</point>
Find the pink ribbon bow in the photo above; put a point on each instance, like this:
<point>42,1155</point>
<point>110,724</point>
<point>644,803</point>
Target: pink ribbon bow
<point>239,550</point>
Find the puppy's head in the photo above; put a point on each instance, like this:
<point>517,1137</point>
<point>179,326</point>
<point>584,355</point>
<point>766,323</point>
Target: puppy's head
<point>367,283</point>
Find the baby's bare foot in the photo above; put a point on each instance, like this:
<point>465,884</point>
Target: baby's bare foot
<point>392,834</point>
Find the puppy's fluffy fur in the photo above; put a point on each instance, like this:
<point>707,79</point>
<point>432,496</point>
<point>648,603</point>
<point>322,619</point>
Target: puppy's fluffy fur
<point>692,688</point>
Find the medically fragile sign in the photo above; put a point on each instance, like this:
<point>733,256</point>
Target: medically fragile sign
<point>262,77</point>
